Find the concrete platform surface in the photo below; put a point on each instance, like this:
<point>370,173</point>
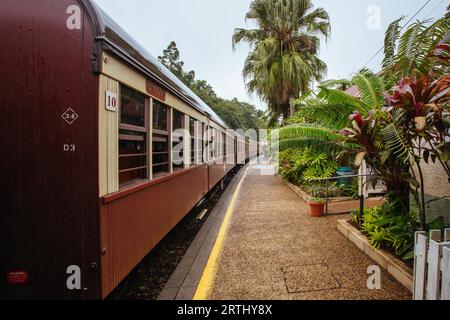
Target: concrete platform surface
<point>273,249</point>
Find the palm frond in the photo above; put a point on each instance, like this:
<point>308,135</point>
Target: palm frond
<point>390,44</point>
<point>248,35</point>
<point>322,113</point>
<point>301,143</point>
<point>337,97</point>
<point>310,131</point>
<point>371,89</point>
<point>409,48</point>
<point>394,138</point>
<point>437,33</point>
<point>340,84</point>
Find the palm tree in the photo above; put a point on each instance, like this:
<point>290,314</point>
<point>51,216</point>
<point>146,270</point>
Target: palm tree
<point>283,61</point>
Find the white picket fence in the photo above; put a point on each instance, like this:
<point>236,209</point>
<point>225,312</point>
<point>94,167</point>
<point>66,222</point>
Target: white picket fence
<point>432,266</point>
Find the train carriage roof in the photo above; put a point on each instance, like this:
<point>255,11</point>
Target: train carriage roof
<point>111,34</point>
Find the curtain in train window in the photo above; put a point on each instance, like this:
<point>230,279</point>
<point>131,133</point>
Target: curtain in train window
<point>132,137</point>
<point>160,146</point>
<point>177,141</point>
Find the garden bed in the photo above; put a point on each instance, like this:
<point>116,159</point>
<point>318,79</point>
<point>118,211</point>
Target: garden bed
<point>337,205</point>
<point>307,197</point>
<point>394,266</point>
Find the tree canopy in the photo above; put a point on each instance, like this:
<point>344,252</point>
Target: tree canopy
<point>235,113</point>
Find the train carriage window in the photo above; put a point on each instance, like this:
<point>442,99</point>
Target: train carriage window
<point>204,154</point>
<point>224,147</point>
<point>217,148</point>
<point>132,111</point>
<point>192,124</point>
<point>221,147</point>
<point>177,140</point>
<point>160,117</point>
<point>217,142</point>
<point>132,137</point>
<point>200,142</point>
<point>160,146</point>
<point>219,135</point>
<point>211,143</point>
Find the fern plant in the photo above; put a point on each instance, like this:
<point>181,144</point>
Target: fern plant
<point>405,57</point>
<point>301,166</point>
<point>395,139</point>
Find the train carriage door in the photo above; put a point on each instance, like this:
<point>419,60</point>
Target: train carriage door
<point>49,127</point>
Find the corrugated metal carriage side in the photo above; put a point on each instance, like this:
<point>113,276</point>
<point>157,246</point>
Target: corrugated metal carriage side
<point>89,179</point>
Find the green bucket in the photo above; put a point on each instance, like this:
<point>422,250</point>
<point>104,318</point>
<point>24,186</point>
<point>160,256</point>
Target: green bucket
<point>343,172</point>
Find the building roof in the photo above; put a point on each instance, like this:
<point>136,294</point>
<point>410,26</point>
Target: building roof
<point>353,91</point>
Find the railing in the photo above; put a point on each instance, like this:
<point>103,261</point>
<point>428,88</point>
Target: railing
<point>432,266</point>
<point>364,179</point>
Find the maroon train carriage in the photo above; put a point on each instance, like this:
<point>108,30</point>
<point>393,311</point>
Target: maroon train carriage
<point>88,185</point>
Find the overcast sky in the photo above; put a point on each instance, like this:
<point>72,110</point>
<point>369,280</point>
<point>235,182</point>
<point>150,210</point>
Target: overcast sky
<point>202,30</point>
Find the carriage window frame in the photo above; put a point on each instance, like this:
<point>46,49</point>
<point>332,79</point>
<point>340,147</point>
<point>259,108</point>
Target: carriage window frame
<point>199,139</point>
<point>211,144</point>
<point>136,133</point>
<point>158,136</point>
<point>224,147</point>
<point>182,166</point>
<point>192,130</point>
<point>204,155</point>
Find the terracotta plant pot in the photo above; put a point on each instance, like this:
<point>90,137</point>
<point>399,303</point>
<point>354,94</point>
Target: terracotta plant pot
<point>317,209</point>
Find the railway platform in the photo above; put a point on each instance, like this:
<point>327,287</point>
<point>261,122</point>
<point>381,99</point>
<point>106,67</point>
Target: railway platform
<point>260,243</point>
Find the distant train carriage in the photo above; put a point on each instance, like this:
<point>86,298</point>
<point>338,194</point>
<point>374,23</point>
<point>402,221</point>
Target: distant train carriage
<point>89,134</point>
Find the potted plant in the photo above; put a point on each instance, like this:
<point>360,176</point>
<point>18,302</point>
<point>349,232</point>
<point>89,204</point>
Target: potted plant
<point>318,199</point>
<point>317,207</point>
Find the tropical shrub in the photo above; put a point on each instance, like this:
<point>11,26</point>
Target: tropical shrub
<point>351,190</point>
<point>399,119</point>
<point>387,229</point>
<point>301,166</point>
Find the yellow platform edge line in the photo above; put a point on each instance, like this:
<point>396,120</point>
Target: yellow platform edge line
<point>209,273</point>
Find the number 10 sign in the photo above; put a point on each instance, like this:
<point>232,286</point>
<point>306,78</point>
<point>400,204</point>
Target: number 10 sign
<point>111,101</point>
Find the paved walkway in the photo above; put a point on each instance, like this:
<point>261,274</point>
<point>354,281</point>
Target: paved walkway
<point>273,249</point>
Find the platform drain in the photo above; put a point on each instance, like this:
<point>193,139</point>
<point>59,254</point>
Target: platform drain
<point>307,278</point>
